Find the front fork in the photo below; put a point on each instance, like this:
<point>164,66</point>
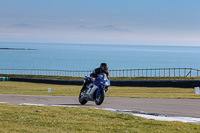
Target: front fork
<point>98,91</point>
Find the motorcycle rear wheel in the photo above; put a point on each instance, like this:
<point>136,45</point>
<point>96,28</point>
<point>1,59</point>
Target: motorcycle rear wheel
<point>100,98</point>
<point>82,100</point>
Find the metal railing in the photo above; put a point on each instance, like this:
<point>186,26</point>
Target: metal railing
<point>157,72</point>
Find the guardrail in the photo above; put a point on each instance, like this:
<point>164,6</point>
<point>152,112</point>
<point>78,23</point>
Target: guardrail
<point>157,72</point>
<point>45,72</point>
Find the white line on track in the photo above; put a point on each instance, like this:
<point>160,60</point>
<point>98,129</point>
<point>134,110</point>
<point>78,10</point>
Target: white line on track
<point>144,115</point>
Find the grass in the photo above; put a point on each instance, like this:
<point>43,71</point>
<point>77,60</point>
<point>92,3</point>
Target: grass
<point>112,78</point>
<point>23,118</point>
<point>153,92</point>
<point>24,88</point>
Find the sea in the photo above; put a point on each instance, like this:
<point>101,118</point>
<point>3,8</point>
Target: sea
<point>57,56</point>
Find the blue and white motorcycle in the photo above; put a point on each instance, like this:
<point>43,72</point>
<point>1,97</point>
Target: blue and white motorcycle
<point>95,91</point>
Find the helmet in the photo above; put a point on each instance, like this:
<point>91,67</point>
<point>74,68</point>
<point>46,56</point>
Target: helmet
<point>104,67</point>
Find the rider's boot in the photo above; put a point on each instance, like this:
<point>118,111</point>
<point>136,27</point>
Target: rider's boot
<point>83,88</point>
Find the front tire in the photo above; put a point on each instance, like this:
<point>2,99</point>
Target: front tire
<point>81,99</point>
<point>100,98</point>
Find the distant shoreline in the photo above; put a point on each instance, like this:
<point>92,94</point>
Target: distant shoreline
<point>16,49</point>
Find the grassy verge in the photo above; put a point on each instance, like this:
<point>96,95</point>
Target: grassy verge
<point>25,88</point>
<point>23,118</point>
<point>112,78</point>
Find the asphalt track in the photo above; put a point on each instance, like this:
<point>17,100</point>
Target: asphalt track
<point>152,106</point>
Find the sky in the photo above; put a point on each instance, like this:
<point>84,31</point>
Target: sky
<point>132,22</point>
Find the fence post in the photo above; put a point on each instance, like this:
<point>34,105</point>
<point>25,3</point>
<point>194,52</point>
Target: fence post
<point>134,72</point>
<point>185,73</point>
<point>138,72</point>
<point>190,72</point>
<point>174,72</point>
<point>131,72</point>
<point>147,72</point>
<point>164,72</point>
<point>142,72</point>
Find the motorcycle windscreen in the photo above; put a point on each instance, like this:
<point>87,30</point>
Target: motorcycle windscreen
<point>106,80</point>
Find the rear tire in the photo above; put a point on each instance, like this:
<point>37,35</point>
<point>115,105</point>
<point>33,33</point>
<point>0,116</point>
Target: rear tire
<point>100,98</point>
<point>82,100</point>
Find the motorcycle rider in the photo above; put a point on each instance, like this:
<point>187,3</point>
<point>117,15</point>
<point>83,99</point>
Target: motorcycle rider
<point>102,69</point>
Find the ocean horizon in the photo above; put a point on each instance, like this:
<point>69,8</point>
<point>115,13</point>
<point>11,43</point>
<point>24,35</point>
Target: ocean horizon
<point>61,56</point>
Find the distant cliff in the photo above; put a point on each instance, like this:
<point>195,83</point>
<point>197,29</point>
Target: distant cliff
<point>16,49</point>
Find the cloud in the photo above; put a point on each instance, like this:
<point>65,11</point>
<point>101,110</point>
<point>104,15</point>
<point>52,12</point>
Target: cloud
<point>14,34</point>
<point>24,26</point>
<point>107,28</point>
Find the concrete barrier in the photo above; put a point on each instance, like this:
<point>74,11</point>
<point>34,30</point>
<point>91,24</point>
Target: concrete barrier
<point>134,83</point>
<point>157,83</point>
<point>49,81</point>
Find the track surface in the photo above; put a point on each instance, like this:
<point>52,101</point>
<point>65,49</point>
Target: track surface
<point>176,107</point>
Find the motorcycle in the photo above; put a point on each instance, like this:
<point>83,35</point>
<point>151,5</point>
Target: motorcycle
<point>95,91</point>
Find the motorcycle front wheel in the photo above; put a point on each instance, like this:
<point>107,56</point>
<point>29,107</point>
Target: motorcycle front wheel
<point>81,99</point>
<point>100,98</point>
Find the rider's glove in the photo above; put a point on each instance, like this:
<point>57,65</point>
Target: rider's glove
<point>92,79</point>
